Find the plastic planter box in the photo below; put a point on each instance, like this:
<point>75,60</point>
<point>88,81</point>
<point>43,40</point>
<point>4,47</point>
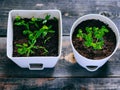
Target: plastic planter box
<point>36,62</point>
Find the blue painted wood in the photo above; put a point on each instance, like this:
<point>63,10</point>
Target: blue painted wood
<point>67,75</point>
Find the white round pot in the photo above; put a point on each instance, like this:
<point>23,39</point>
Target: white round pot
<point>33,62</point>
<point>89,64</point>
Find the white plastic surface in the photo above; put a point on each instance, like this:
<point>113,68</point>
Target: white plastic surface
<point>83,61</point>
<point>24,62</point>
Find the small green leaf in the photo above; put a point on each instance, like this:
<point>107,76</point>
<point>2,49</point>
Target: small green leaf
<point>46,40</point>
<point>44,34</point>
<point>35,47</point>
<point>95,29</point>
<point>44,27</point>
<point>17,18</point>
<point>20,23</point>
<point>36,25</point>
<point>33,19</point>
<point>79,34</point>
<point>88,29</point>
<point>25,44</point>
<point>20,51</point>
<point>47,17</point>
<point>32,52</point>
<point>50,27</point>
<point>29,42</point>
<point>18,45</point>
<point>54,18</point>
<point>51,31</point>
<point>27,32</point>
<point>45,50</point>
<point>38,33</point>
<point>31,36</point>
<point>105,29</point>
<point>44,22</point>
<point>87,43</point>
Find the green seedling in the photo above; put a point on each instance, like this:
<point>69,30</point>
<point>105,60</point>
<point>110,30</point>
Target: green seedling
<point>46,19</point>
<point>21,22</point>
<point>34,21</point>
<point>93,37</point>
<point>28,48</point>
<point>25,49</point>
<point>17,18</point>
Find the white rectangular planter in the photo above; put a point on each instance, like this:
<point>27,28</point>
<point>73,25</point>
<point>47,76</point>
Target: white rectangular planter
<point>36,62</point>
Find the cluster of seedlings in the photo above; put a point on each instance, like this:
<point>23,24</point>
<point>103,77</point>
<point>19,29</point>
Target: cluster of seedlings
<point>93,36</point>
<point>38,32</point>
<point>94,39</point>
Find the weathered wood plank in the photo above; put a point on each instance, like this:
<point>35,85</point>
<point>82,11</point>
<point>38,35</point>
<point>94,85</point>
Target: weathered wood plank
<point>70,76</point>
<point>60,84</point>
<point>71,10</point>
<point>66,66</point>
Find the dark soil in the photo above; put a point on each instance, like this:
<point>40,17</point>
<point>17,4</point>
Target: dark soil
<point>109,41</point>
<point>51,45</point>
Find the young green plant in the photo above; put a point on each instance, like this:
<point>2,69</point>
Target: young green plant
<point>28,48</point>
<point>93,37</point>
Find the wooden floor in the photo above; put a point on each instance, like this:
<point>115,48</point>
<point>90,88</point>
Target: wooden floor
<point>67,74</point>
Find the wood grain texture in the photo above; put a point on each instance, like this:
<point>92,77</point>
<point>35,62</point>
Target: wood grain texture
<point>71,10</point>
<point>60,84</point>
<point>67,74</point>
<point>64,67</point>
